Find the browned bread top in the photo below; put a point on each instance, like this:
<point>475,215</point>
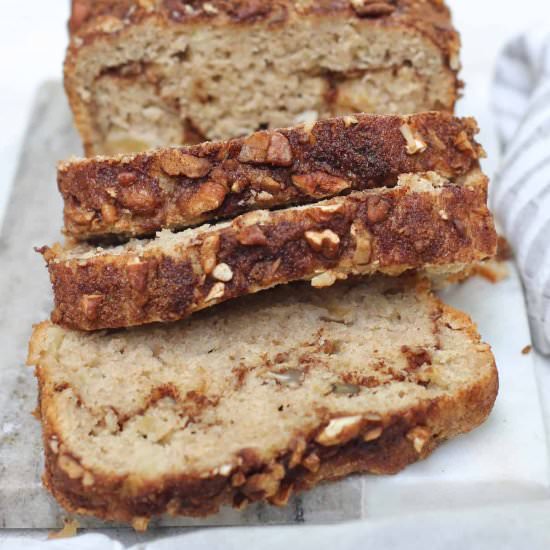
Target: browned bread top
<point>135,195</point>
<point>425,222</point>
<point>265,397</point>
<point>91,19</point>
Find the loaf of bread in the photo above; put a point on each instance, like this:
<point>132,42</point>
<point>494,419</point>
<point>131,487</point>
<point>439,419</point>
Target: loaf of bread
<point>267,396</point>
<point>150,73</point>
<point>425,222</point>
<point>175,188</point>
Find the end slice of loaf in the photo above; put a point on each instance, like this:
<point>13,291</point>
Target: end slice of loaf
<point>136,195</point>
<point>426,222</point>
<point>270,395</point>
<point>156,73</point>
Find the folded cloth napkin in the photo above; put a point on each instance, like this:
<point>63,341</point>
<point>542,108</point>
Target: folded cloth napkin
<point>521,190</point>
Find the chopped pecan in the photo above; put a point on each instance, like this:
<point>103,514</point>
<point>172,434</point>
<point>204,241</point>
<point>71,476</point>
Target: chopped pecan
<point>297,446</point>
<point>372,8</point>
<point>419,437</point>
<point>109,213</point>
<point>90,304</point>
<point>254,149</point>
<point>252,236</point>
<point>209,196</point>
<point>264,485</point>
<point>327,242</point>
<point>138,272</point>
<point>279,152</point>
<point>377,209</point>
<point>323,280</point>
<point>209,252</point>
<point>320,184</point>
<point>222,272</point>
<point>312,462</point>
<point>415,144</point>
<point>340,430</point>
<point>177,163</point>
<point>139,199</point>
<point>363,244</point>
<point>126,179</point>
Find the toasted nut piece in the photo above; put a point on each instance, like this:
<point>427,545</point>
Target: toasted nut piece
<point>266,484</point>
<point>254,149</point>
<point>54,445</point>
<point>464,144</point>
<point>373,434</point>
<point>436,141</point>
<point>138,272</point>
<point>87,479</point>
<point>126,178</point>
<point>419,437</point>
<point>340,430</point>
<point>319,184</point>
<point>252,236</point>
<point>209,196</point>
<point>209,251</point>
<point>326,241</point>
<point>217,291</point>
<point>377,209</point>
<point>282,496</point>
<point>298,446</point>
<point>279,152</point>
<point>109,213</point>
<point>90,305</point>
<point>363,244</point>
<point>414,143</point>
<point>225,469</point>
<point>372,8</point>
<point>266,183</point>
<point>138,199</point>
<point>349,120</point>
<point>328,278</point>
<point>222,272</point>
<point>312,462</point>
<point>79,216</point>
<point>140,523</point>
<point>238,479</point>
<point>72,468</point>
<point>177,163</point>
<point>454,61</point>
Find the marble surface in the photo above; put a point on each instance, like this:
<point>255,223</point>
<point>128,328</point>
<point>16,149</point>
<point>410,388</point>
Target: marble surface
<point>506,460</point>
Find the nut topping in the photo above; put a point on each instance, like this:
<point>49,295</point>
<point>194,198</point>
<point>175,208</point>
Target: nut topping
<point>252,236</point>
<point>298,446</point>
<point>209,251</point>
<point>377,209</point>
<point>137,274</point>
<point>415,144</point>
<point>373,434</point>
<point>320,184</point>
<point>279,152</point>
<point>363,245</point>
<point>312,462</point>
<point>216,292</point>
<point>463,144</point>
<point>90,305</point>
<point>328,278</point>
<point>419,437</point>
<point>222,272</point>
<point>340,430</point>
<point>323,241</point>
<point>209,196</point>
<point>126,178</point>
<point>254,149</point>
<point>177,163</point>
<point>372,8</point>
<point>72,468</point>
<point>109,213</point>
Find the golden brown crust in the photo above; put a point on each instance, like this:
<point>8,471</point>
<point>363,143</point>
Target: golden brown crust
<point>175,188</point>
<point>385,230</point>
<point>382,445</point>
<point>96,20</point>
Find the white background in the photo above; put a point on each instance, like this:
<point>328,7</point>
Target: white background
<point>33,37</point>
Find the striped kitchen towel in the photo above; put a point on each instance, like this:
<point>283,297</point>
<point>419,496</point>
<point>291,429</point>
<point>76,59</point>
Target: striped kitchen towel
<point>521,190</point>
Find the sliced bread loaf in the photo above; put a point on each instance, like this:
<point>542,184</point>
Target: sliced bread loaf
<point>136,195</point>
<point>149,73</point>
<point>269,395</point>
<point>425,222</point>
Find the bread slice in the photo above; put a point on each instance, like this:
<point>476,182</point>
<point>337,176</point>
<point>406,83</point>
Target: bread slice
<point>151,73</point>
<point>425,222</point>
<point>175,188</point>
<point>268,395</point>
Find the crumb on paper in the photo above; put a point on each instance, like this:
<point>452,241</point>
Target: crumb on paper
<point>70,528</point>
<point>527,350</point>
